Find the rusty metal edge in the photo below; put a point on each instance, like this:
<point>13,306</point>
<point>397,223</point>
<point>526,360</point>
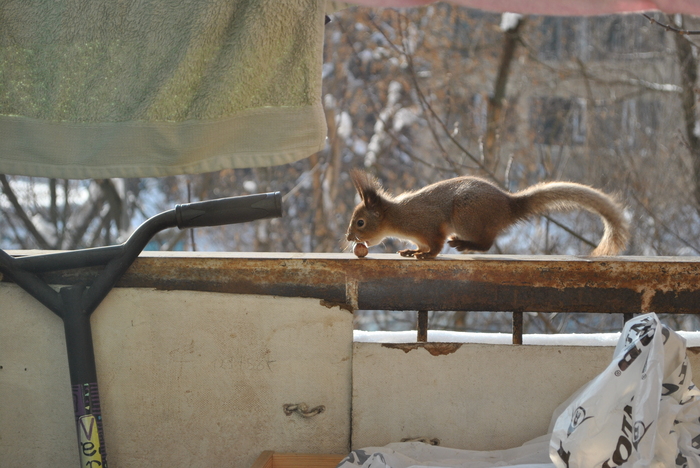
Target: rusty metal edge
<point>465,282</point>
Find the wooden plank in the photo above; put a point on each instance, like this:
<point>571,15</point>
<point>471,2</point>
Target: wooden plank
<point>264,460</point>
<point>270,459</point>
<point>299,460</point>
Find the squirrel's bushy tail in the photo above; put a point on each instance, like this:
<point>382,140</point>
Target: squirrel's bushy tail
<point>565,196</point>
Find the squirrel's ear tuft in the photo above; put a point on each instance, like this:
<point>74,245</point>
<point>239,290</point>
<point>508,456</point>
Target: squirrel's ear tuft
<point>367,186</point>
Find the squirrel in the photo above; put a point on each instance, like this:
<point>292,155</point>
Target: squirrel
<point>472,212</point>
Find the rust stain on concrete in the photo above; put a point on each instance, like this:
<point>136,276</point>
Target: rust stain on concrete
<point>436,349</point>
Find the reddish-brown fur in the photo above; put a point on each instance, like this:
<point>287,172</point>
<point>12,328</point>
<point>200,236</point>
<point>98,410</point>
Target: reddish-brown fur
<point>470,213</point>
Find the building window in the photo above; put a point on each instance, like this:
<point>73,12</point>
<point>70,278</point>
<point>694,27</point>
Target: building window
<point>628,125</point>
<point>563,38</point>
<point>558,120</point>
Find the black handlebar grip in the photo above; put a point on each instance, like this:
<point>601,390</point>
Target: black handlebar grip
<point>229,210</point>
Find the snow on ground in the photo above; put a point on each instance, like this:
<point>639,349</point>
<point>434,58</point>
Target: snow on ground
<point>443,336</point>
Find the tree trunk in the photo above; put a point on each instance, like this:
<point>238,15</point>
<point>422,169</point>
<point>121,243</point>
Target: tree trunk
<point>494,116</point>
<point>689,76</point>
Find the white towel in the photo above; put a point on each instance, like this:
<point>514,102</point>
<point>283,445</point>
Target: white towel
<point>140,88</point>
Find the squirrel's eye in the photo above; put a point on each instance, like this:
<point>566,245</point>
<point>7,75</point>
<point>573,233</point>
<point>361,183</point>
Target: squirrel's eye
<point>360,222</point>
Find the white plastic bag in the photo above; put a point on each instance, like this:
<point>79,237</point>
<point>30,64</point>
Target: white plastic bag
<point>642,411</point>
<point>532,454</point>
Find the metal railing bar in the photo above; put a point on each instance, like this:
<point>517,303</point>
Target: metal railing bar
<point>422,326</point>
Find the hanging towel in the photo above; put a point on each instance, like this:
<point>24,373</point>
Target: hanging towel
<point>141,88</point>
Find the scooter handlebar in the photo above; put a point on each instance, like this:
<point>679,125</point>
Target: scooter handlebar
<point>229,210</point>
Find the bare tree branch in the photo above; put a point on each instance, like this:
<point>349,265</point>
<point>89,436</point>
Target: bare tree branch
<point>547,322</point>
<point>77,235</point>
<point>658,221</point>
<point>21,239</point>
<point>21,214</point>
<point>429,110</point>
<point>563,73</point>
<point>667,27</point>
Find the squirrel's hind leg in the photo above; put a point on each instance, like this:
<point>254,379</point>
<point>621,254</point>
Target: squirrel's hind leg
<point>408,252</point>
<point>465,245</point>
<point>419,254</point>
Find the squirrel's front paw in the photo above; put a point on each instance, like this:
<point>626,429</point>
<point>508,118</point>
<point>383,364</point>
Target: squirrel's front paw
<point>407,252</point>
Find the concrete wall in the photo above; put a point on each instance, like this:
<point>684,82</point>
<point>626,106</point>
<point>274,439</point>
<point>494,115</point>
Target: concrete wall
<point>470,396</point>
<point>186,379</point>
<point>198,379</point>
